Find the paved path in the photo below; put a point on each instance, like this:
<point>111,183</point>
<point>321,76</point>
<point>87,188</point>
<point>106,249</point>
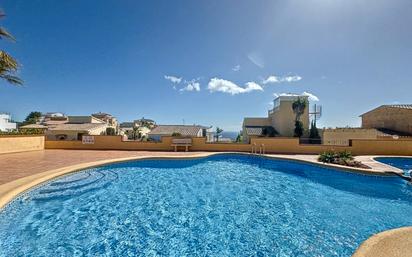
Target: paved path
<point>17,165</point>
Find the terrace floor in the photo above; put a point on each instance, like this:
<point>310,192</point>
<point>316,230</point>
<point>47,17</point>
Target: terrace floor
<point>18,165</point>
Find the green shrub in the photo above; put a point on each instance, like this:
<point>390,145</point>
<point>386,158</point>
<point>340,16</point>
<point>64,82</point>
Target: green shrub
<point>23,132</point>
<point>345,155</point>
<point>176,134</point>
<point>344,158</point>
<point>328,157</point>
<point>110,131</point>
<point>269,132</point>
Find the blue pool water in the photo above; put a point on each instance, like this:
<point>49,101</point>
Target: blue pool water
<point>402,163</point>
<point>225,205</point>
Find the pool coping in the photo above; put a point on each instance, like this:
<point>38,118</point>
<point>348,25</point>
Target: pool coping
<point>394,242</point>
<point>13,189</point>
<point>390,156</point>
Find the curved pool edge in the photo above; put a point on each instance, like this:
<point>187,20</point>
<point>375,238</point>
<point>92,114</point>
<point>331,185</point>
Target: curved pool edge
<point>394,242</point>
<point>370,172</point>
<point>9,191</point>
<point>374,158</point>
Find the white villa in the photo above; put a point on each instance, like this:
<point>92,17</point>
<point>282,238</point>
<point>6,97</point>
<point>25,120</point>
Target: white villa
<point>6,123</point>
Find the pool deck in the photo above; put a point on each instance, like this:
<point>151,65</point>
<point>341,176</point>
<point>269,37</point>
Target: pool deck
<point>14,166</point>
<point>390,243</point>
<point>21,171</point>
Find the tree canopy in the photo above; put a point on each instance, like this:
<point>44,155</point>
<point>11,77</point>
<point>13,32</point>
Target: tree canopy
<point>32,118</point>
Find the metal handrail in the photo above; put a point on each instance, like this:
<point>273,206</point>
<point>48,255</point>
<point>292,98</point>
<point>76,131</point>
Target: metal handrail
<point>254,148</point>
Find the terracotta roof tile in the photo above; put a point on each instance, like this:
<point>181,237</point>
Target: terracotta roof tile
<point>184,130</point>
<point>77,127</point>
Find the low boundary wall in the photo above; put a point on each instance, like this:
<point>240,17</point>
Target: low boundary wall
<point>21,143</point>
<point>272,145</point>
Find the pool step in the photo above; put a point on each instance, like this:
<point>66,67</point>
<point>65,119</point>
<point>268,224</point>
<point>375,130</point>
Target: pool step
<point>75,185</point>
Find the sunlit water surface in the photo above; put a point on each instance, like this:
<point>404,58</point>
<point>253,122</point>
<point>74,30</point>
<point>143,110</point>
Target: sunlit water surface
<point>226,205</point>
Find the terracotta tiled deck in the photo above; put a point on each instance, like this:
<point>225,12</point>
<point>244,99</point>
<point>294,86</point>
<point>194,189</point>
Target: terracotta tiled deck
<point>17,165</point>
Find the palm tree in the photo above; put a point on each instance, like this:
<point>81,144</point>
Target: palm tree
<point>218,132</point>
<point>299,107</point>
<point>8,65</point>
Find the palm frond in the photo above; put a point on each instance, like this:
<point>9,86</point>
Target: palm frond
<point>8,65</point>
<point>7,62</point>
<point>12,79</point>
<point>5,34</point>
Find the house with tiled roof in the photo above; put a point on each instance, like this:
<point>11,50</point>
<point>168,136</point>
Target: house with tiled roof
<point>70,131</point>
<point>182,130</point>
<point>76,127</point>
<point>393,118</point>
<point>280,120</point>
<point>137,129</point>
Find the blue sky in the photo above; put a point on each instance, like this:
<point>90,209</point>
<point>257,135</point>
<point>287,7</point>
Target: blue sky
<point>231,57</point>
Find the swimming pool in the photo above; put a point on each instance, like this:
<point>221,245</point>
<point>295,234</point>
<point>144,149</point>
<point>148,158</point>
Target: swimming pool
<point>223,205</point>
<point>402,163</point>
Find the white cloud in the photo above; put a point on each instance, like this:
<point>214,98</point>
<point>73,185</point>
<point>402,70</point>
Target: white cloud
<point>252,86</point>
<point>226,86</point>
<point>173,79</point>
<point>292,78</point>
<point>284,94</point>
<point>312,97</point>
<point>276,79</point>
<point>271,79</point>
<point>257,59</point>
<point>191,86</point>
<point>236,68</point>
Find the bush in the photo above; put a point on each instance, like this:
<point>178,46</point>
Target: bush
<point>110,131</point>
<point>328,157</point>
<point>269,132</point>
<point>23,132</point>
<point>176,134</point>
<point>344,158</point>
<point>346,155</point>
